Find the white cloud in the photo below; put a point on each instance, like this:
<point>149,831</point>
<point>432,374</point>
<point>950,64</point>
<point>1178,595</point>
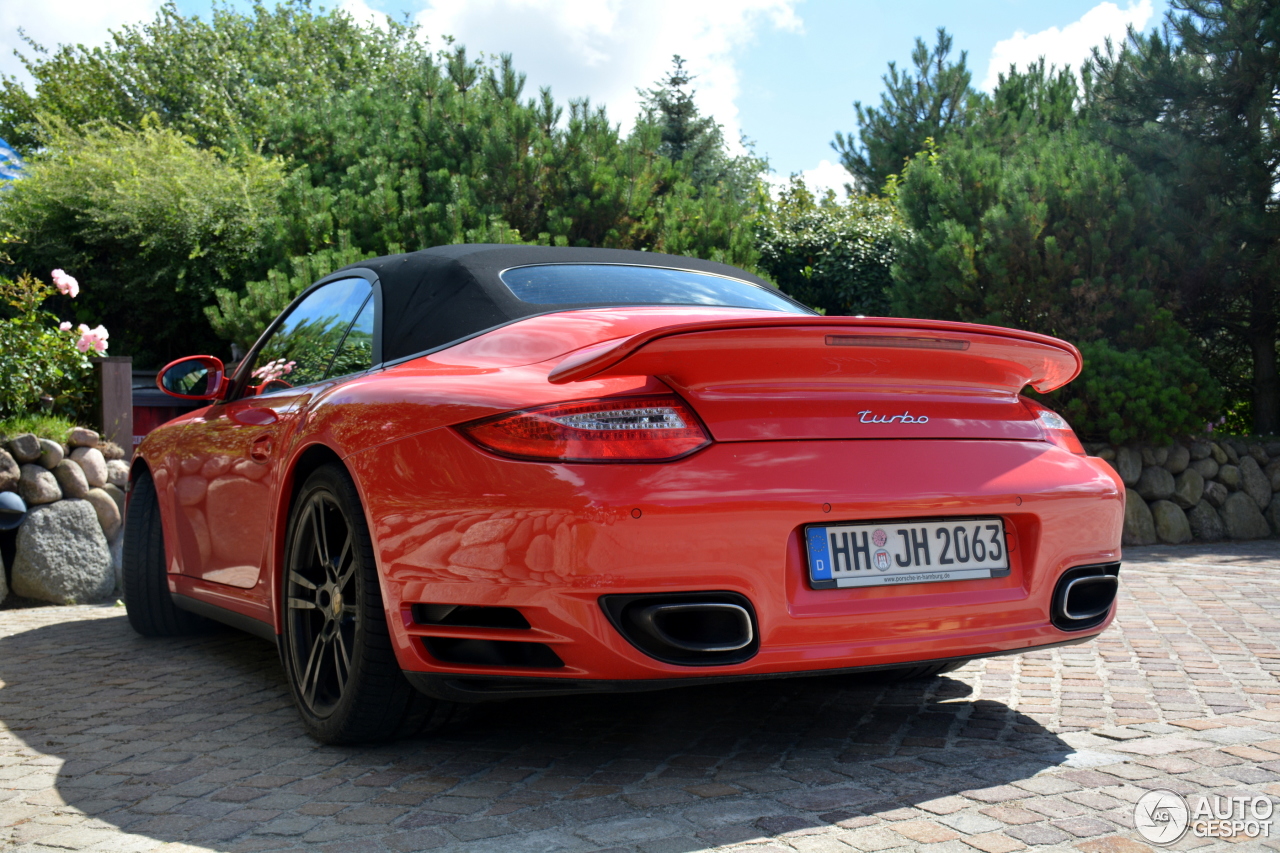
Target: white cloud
<point>54,22</point>
<point>364,14</point>
<point>1067,47</point>
<point>604,49</point>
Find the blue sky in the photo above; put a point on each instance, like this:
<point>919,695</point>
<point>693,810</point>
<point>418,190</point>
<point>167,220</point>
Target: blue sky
<point>783,72</point>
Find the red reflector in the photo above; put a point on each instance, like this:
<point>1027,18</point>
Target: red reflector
<point>617,429</point>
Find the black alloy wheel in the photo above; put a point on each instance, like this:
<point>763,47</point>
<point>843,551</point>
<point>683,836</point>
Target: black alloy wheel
<point>336,647</point>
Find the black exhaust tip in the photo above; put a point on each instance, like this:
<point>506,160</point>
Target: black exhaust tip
<point>687,628</point>
<point>1084,595</point>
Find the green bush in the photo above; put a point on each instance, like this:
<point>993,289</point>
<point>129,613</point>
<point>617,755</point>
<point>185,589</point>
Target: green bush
<point>1153,394</point>
<point>833,256</point>
<point>38,357</point>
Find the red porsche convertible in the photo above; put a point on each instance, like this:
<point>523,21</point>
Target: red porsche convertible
<point>481,472</point>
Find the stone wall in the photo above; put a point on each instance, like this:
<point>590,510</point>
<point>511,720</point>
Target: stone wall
<point>1198,489</point>
<point>68,547</point>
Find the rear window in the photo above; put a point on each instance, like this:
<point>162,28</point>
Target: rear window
<point>616,284</point>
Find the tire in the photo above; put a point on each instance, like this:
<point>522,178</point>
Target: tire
<point>146,585</point>
<point>917,673</point>
<point>336,646</point>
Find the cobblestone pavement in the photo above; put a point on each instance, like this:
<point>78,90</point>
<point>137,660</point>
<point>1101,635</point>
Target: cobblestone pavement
<point>112,742</point>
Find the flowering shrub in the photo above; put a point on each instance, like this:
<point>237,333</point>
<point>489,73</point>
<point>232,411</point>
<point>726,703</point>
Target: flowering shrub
<point>44,363</point>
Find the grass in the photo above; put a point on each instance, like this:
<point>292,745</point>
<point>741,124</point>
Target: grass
<point>44,426</point>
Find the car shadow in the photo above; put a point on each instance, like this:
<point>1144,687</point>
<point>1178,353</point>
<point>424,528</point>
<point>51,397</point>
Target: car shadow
<point>195,740</point>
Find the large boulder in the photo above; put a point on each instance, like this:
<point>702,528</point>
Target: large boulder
<point>1205,522</point>
<point>25,448</point>
<point>1155,484</point>
<point>1139,526</point>
<point>10,473</point>
<point>118,473</point>
<point>111,451</point>
<point>1230,448</point>
<point>1188,488</point>
<point>4,586</point>
<point>37,485</point>
<point>1128,465</point>
<point>1219,455</point>
<point>1254,483</point>
<point>1259,454</point>
<point>83,437</point>
<point>93,463</point>
<point>1272,515</point>
<point>1229,476</point>
<point>51,453</point>
<point>1243,519</point>
<point>1200,450</point>
<point>1179,459</point>
<point>62,556</point>
<point>70,477</point>
<point>104,506</point>
<point>1206,468</point>
<point>1273,474</point>
<point>1215,493</point>
<point>1170,522</point>
<point>117,495</point>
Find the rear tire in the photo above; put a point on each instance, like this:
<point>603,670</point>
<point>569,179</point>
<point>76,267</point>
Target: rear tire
<point>336,646</point>
<point>146,584</point>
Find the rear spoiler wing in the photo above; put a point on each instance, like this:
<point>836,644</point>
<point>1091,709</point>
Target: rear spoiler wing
<point>1012,358</point>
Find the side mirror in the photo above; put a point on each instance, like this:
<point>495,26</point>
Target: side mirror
<point>196,377</point>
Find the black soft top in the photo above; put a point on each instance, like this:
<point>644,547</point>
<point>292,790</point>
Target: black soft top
<point>441,295</point>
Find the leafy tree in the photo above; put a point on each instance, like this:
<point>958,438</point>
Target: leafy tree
<point>157,222</point>
<point>1195,104</point>
<point>830,255</point>
<point>933,103</point>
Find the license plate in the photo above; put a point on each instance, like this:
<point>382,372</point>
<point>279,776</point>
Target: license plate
<point>897,552</point>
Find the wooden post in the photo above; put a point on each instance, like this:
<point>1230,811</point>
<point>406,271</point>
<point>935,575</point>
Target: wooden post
<point>115,395</point>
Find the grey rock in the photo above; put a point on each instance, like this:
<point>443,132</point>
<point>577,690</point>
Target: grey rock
<point>1188,488</point>
<point>1200,450</point>
<point>9,472</point>
<point>1229,448</point>
<point>37,485</point>
<point>1179,459</point>
<point>1254,483</point>
<point>1171,523</point>
<point>25,448</point>
<point>62,555</point>
<point>1107,453</point>
<point>1128,465</point>
<point>1155,484</point>
<point>1238,446</point>
<point>1161,454</point>
<point>1229,476</point>
<point>1207,468</point>
<point>4,586</point>
<point>117,495</point>
<point>83,437</point>
<point>1139,526</point>
<point>1272,515</point>
<point>1215,493</point>
<point>111,450</point>
<point>1259,454</point>
<point>1205,522</point>
<point>51,453</point>
<point>1272,471</point>
<point>1242,518</point>
<point>118,473</point>
<point>1219,455</point>
<point>70,477</point>
<point>93,463</point>
<point>1272,448</point>
<point>104,506</point>
<point>116,547</point>
<point>1148,456</point>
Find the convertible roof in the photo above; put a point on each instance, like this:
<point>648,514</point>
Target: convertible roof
<point>441,295</point>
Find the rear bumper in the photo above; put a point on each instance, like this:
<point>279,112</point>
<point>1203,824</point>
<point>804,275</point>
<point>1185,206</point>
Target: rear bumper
<point>455,525</point>
<point>488,688</point>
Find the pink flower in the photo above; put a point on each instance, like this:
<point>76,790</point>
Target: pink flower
<point>64,326</point>
<point>66,285</point>
<point>92,339</point>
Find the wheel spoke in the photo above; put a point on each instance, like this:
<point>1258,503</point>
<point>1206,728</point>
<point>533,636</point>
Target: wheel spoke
<point>297,578</point>
<point>302,604</point>
<point>322,537</point>
<point>340,656</point>
<point>345,559</point>
<point>311,675</point>
<point>349,610</point>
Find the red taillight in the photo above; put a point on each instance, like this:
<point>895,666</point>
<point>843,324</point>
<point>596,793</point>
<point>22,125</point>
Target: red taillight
<point>1055,428</point>
<point>618,429</point>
